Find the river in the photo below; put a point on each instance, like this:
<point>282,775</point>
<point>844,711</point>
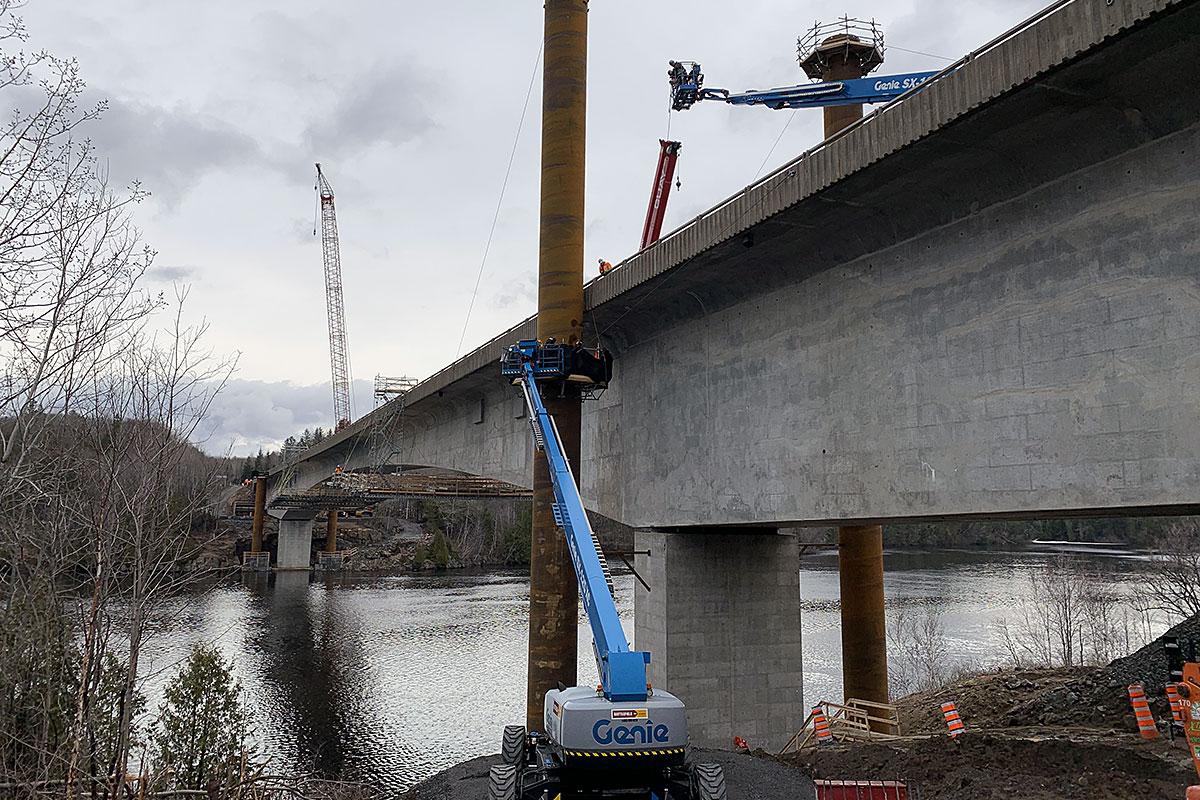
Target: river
<point>388,679</point>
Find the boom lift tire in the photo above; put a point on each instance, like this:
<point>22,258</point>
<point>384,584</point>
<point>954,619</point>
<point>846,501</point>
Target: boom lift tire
<point>512,750</point>
<point>708,782</point>
<point>502,782</point>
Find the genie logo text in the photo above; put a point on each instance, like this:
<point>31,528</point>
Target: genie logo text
<point>608,732</point>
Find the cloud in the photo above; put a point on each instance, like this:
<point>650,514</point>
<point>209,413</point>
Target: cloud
<point>252,414</point>
<point>520,291</point>
<point>168,149</point>
<point>173,273</point>
<point>385,106</point>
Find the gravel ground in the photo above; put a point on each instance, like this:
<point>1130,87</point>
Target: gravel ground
<point>747,778</point>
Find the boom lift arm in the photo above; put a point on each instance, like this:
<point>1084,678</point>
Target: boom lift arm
<point>687,89</point>
<point>622,670</point>
<point>620,740</point>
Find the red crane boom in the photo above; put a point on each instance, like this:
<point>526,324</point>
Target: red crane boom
<point>660,190</point>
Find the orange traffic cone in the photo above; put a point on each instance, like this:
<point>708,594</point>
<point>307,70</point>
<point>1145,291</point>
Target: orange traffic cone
<point>1141,711</point>
<point>954,722</point>
<point>1176,706</point>
<point>821,726</point>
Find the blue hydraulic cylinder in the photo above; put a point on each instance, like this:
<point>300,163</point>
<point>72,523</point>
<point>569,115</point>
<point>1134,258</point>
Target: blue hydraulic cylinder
<point>622,670</point>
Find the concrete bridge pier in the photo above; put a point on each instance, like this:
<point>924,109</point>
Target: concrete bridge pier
<point>294,548</point>
<point>722,622</point>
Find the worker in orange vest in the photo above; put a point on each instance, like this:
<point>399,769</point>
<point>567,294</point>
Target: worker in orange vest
<point>605,267</point>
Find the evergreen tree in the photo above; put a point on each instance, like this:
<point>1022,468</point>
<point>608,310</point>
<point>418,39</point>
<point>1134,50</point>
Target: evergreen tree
<point>306,439</point>
<point>201,723</point>
<point>247,468</point>
<point>258,461</point>
<point>318,435</point>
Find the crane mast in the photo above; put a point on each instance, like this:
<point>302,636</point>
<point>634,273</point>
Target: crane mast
<point>339,355</point>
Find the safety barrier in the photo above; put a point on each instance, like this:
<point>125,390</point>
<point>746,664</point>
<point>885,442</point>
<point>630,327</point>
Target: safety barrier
<point>954,723</point>
<point>863,790</point>
<point>1176,706</point>
<point>855,720</point>
<point>1141,711</point>
<point>256,562</point>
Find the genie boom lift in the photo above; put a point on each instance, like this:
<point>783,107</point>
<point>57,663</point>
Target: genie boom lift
<point>621,737</point>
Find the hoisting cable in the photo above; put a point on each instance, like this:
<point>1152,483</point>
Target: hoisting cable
<point>777,139</point>
<point>503,186</point>
<point>891,46</point>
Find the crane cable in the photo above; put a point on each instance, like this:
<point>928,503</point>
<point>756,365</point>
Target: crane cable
<point>500,200</point>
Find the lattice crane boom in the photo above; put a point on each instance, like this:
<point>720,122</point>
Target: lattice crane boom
<point>339,354</point>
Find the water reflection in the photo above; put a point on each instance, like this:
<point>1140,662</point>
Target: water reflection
<point>388,679</point>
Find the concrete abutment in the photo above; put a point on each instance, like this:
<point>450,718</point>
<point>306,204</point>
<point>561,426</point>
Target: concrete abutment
<point>722,620</point>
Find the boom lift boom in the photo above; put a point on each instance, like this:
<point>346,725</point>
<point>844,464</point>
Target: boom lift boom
<point>621,737</point>
<point>687,89</point>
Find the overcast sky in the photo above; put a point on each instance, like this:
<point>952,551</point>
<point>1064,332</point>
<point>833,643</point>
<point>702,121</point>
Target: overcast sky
<point>221,108</point>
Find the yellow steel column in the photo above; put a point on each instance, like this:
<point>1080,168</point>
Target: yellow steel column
<point>331,523</point>
<point>838,117</point>
<point>845,56</point>
<point>260,510</point>
<point>864,635</point>
<point>553,595</point>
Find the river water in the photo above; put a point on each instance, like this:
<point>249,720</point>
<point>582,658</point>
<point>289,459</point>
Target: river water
<point>389,679</point>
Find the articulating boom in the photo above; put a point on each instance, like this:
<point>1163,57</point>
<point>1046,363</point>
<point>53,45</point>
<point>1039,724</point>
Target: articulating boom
<point>621,739</point>
<point>687,89</point>
<point>622,670</point>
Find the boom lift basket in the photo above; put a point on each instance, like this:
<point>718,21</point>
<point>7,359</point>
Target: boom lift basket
<point>586,371</point>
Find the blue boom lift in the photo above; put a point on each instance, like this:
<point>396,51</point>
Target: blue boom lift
<point>687,89</point>
<point>622,737</point>
<point>820,51</point>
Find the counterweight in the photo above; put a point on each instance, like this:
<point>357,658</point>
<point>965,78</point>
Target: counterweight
<point>339,355</point>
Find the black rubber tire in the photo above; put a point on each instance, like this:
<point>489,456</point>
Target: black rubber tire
<point>512,748</point>
<point>502,782</point>
<point>708,782</point>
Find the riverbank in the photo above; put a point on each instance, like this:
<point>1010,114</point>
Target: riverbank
<point>1037,734</point>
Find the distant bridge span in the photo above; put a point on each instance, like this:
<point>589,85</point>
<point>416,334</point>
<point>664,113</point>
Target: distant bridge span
<point>981,301</point>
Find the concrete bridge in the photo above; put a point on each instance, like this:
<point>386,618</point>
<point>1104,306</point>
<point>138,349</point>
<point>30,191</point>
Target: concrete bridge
<point>982,301</point>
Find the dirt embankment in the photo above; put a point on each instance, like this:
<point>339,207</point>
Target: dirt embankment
<point>1031,734</point>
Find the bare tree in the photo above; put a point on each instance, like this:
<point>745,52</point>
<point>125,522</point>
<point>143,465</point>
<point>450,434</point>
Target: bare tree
<point>1173,581</point>
<point>1068,618</point>
<point>99,486</point>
